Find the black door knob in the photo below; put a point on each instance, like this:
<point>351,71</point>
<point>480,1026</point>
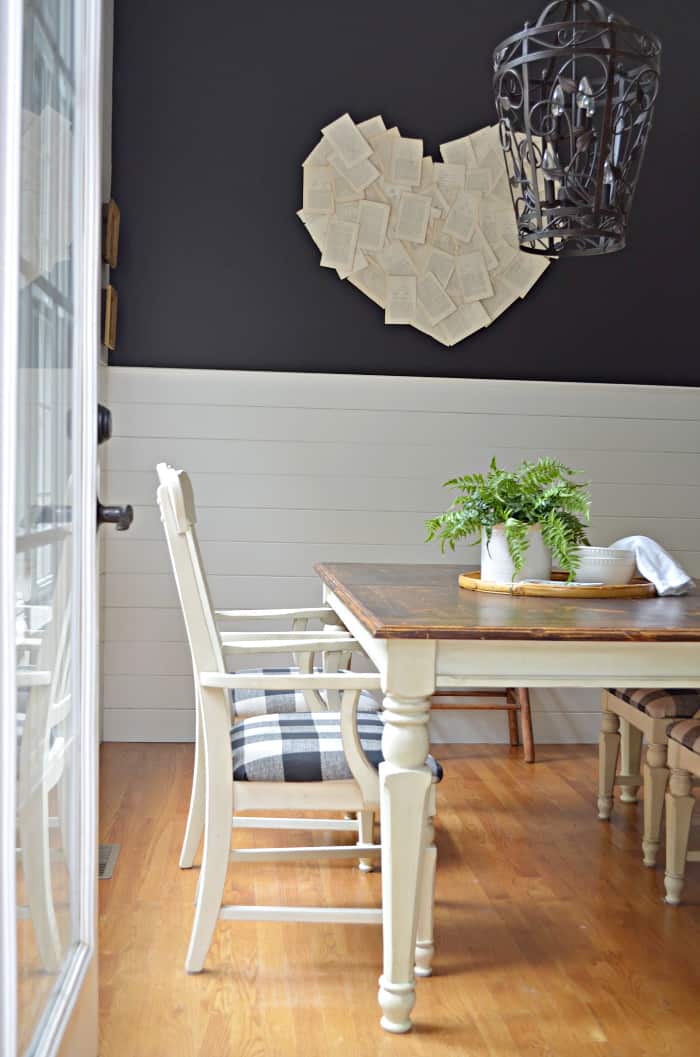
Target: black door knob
<point>104,423</point>
<point>121,516</point>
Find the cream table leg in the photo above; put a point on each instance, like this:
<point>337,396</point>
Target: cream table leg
<point>425,945</point>
<point>655,781</point>
<point>404,786</point>
<point>679,809</point>
<point>630,758</point>
<point>608,749</point>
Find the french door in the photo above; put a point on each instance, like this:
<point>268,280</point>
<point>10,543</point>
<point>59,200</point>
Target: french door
<point>49,339</point>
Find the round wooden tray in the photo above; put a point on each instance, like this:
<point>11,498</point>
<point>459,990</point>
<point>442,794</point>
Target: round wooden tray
<point>638,588</point>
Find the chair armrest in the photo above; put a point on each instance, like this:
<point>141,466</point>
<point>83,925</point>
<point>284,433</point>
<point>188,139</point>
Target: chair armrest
<point>323,613</point>
<point>229,637</point>
<point>320,644</point>
<point>320,681</point>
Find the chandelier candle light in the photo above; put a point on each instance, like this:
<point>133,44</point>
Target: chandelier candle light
<point>575,96</point>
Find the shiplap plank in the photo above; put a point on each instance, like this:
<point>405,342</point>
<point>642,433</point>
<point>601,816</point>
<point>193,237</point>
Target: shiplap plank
<point>220,524</point>
<point>152,385</point>
<point>360,459</point>
<point>153,591</point>
<point>314,425</point>
<point>226,491</point>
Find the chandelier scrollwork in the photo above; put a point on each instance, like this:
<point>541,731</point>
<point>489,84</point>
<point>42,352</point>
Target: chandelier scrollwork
<point>575,97</point>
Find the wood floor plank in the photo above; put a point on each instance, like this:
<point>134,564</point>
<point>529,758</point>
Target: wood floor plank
<point>552,939</point>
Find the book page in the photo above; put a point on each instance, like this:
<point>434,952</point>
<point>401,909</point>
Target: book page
<point>320,154</point>
<point>442,265</point>
<point>341,242</point>
<point>373,218</point>
<point>458,152</point>
<point>449,180</point>
<point>371,128</point>
<point>394,260</point>
<point>462,218</point>
<point>414,214</point>
<point>400,299</point>
<point>372,282</point>
<point>433,299</point>
<point>473,275</point>
<point>347,141</point>
<point>478,180</point>
<point>422,323</point>
<point>357,176</point>
<point>523,271</point>
<point>359,263</point>
<point>381,147</point>
<point>466,320</point>
<point>342,191</point>
<point>318,189</point>
<point>502,298</point>
<point>406,161</point>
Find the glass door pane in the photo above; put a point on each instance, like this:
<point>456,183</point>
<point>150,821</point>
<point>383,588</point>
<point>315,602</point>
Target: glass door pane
<point>48,691</point>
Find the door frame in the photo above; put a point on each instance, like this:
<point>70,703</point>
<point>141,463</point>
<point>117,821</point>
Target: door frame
<point>70,1026</point>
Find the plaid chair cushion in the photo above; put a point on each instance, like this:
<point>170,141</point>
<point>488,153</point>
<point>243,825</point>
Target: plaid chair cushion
<point>303,747</point>
<point>662,704</point>
<point>687,732</point>
<point>281,702</point>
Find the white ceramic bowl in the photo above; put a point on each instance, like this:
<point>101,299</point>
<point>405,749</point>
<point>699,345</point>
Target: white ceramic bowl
<point>603,565</point>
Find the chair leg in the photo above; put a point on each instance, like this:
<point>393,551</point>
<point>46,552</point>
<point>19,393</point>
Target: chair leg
<point>679,808</point>
<point>656,775</point>
<point>526,724</point>
<point>33,824</point>
<point>425,944</point>
<point>630,759</point>
<point>365,835</point>
<point>608,749</point>
<point>195,816</point>
<point>217,845</point>
<point>513,735</point>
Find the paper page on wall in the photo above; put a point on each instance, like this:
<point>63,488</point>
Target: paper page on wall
<point>400,299</point>
<point>458,152</point>
<point>474,277</point>
<point>381,149</point>
<point>503,252</point>
<point>422,323</point>
<point>462,218</point>
<point>484,141</point>
<point>341,242</point>
<point>449,179</point>
<point>373,218</point>
<point>478,180</point>
<point>414,214</point>
<point>478,243</point>
<point>320,154</point>
<point>374,193</point>
<point>371,128</point>
<point>465,320</point>
<point>317,227</point>
<point>347,141</point>
<point>359,263</point>
<point>405,161</point>
<point>343,191</point>
<point>442,265</point>
<point>348,211</point>
<point>394,260</point>
<point>318,189</point>
<point>358,176</point>
<point>434,301</point>
<point>502,298</point>
<point>523,271</point>
<point>371,281</point>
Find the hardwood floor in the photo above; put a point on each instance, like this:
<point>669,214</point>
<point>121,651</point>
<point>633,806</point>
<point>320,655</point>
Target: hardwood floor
<point>551,938</point>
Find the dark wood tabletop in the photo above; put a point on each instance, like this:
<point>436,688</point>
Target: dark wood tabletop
<point>426,602</point>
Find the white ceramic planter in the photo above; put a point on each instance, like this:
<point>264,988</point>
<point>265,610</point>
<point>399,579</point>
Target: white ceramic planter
<point>497,564</point>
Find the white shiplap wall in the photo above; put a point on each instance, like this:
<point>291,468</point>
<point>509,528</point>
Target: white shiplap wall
<point>291,469</point>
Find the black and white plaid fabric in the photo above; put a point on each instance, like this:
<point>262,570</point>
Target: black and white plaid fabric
<point>303,747</point>
<point>282,702</point>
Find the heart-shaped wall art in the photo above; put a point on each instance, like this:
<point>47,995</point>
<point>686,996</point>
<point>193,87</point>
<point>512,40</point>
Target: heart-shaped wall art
<point>434,244</point>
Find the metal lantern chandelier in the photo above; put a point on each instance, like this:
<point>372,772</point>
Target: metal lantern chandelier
<point>575,97</point>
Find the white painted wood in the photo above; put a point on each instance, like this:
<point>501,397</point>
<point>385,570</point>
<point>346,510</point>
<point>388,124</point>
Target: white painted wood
<point>680,802</point>
<point>314,915</point>
<point>308,853</point>
<point>293,469</point>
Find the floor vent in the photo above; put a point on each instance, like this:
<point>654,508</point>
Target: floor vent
<point>109,853</point>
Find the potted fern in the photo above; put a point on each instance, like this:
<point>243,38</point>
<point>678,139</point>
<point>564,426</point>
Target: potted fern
<point>523,517</point>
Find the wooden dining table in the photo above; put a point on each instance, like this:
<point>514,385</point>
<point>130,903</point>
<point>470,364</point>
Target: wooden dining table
<point>423,632</point>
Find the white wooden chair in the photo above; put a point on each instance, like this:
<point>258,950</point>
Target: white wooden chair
<point>42,743</point>
<point>253,702</point>
<point>264,750</point>
<point>629,716</point>
<point>684,763</point>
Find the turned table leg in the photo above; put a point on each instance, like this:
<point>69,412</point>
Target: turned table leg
<point>404,785</point>
<point>655,781</point>
<point>608,750</point>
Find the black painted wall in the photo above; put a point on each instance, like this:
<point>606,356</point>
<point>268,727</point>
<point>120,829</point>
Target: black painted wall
<point>217,103</point>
